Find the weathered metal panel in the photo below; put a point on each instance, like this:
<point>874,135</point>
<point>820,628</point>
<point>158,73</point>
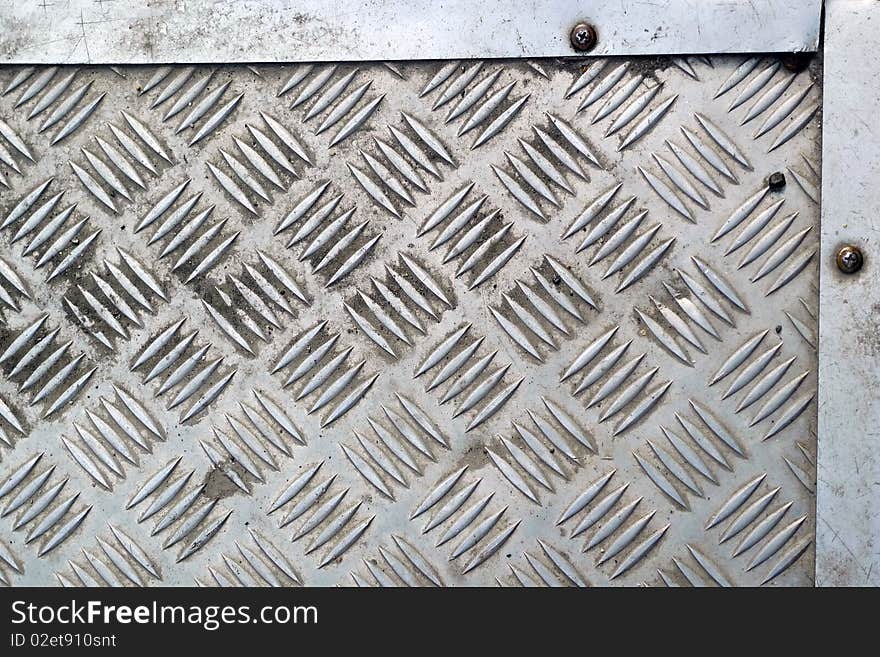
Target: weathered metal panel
<point>848,532</point>
<point>207,31</point>
<point>457,323</point>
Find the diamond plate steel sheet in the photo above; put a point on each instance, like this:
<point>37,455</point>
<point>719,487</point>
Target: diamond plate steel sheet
<point>526,322</point>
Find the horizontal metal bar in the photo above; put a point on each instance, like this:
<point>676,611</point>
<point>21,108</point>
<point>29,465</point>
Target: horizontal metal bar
<point>192,31</point>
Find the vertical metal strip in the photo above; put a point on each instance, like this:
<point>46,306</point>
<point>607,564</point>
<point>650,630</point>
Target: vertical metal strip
<point>848,495</point>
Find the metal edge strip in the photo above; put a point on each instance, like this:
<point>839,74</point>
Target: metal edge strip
<point>204,31</point>
<point>848,473</point>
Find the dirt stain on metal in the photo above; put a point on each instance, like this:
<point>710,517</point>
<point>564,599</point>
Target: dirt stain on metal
<point>217,483</point>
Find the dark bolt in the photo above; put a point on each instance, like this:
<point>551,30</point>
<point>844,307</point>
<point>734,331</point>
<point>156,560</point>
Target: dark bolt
<point>776,181</point>
<point>583,37</point>
<point>796,61</point>
<point>849,259</point>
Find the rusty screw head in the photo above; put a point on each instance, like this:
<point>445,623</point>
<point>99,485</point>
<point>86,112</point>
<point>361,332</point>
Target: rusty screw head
<point>583,37</point>
<point>776,181</point>
<point>849,259</point>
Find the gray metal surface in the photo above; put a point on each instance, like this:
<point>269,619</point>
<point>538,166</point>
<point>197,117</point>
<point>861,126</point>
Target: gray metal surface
<point>848,499</point>
<point>208,31</point>
<point>464,323</point>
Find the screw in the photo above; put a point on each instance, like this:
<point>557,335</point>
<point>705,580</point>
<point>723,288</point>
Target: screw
<point>776,181</point>
<point>583,37</point>
<point>850,259</point>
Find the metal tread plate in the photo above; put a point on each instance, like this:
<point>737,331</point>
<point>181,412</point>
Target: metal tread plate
<point>466,323</point>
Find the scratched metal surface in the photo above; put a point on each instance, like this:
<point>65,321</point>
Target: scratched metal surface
<point>514,322</point>
<point>259,31</point>
<point>848,506</point>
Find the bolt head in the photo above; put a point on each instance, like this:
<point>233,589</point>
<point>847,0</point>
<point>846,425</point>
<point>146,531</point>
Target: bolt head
<point>583,37</point>
<point>776,181</point>
<point>850,259</point>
